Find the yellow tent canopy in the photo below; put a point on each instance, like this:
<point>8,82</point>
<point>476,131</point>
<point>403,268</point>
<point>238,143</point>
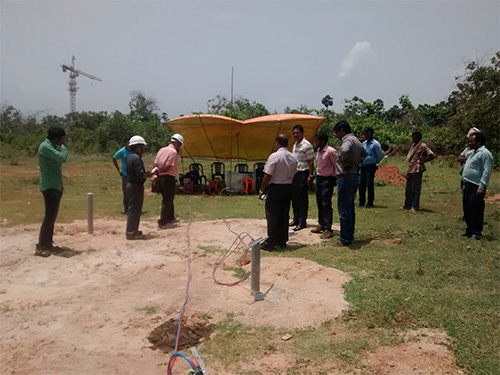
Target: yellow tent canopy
<point>226,138</point>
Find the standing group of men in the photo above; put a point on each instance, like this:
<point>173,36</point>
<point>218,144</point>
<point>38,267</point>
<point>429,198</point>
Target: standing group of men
<point>52,153</point>
<point>164,174</point>
<point>286,179</point>
<point>288,175</point>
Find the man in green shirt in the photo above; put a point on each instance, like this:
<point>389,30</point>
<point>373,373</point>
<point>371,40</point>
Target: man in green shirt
<point>51,154</point>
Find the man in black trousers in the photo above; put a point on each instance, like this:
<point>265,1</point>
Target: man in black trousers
<point>304,153</point>
<point>276,188</point>
<point>136,176</point>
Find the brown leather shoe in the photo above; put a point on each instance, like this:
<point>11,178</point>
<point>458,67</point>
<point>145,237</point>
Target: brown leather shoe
<point>136,236</point>
<point>317,230</point>
<point>327,234</point>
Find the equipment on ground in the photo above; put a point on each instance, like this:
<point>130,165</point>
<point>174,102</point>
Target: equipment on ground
<point>239,183</point>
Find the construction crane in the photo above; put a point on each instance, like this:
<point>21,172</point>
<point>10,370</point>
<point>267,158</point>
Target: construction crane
<point>73,73</point>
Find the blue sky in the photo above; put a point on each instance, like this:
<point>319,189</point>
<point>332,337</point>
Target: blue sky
<point>284,53</point>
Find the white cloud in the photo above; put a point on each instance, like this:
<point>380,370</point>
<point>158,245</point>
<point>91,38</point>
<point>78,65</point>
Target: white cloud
<point>358,53</point>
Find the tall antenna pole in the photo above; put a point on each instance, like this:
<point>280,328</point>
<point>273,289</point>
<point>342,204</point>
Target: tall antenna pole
<point>232,75</point>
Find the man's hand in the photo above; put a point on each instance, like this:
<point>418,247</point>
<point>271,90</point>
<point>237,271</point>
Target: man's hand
<point>480,192</point>
<point>149,174</point>
<point>309,180</point>
<point>262,196</point>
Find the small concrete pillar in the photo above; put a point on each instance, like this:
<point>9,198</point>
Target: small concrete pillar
<point>90,213</point>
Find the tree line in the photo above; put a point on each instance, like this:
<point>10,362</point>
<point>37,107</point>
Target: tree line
<point>475,102</point>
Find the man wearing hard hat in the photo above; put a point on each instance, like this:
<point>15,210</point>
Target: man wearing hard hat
<point>136,176</point>
<point>166,169</point>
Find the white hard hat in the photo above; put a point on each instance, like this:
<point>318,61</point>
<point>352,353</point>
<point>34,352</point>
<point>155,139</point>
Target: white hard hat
<point>177,138</point>
<point>136,140</point>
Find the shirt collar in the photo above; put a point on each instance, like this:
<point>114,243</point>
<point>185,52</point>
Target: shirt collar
<point>345,136</point>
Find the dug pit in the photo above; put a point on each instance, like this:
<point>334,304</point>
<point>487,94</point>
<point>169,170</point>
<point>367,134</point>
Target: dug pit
<point>164,336</point>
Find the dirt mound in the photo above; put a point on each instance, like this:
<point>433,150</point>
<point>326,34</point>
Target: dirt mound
<point>164,336</point>
<point>390,174</point>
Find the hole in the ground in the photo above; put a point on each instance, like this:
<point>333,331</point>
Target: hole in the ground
<point>163,337</point>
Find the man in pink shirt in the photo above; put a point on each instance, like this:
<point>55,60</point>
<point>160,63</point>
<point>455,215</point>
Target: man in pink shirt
<point>166,170</point>
<point>326,157</point>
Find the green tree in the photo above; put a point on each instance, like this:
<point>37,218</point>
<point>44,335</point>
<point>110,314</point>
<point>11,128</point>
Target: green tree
<point>301,109</point>
<point>327,101</point>
<point>476,102</point>
<point>434,115</point>
<point>143,108</point>
<point>240,108</point>
<point>11,119</point>
<point>86,120</point>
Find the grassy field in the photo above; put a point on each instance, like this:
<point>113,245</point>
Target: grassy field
<point>409,270</point>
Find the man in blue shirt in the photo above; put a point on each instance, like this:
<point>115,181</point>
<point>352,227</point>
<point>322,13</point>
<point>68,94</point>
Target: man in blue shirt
<point>475,177</point>
<point>369,167</point>
<point>122,155</point>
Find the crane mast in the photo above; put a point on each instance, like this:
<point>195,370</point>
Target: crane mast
<point>73,73</point>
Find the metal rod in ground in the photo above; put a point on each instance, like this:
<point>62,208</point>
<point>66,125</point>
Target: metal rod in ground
<point>90,213</point>
<point>255,272</point>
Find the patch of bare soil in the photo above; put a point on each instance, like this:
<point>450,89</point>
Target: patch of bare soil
<point>390,174</point>
<point>91,309</point>
<point>423,352</point>
<point>104,303</point>
<point>495,198</point>
<point>387,241</point>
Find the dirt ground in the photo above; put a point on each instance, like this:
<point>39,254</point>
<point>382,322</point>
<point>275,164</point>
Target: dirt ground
<point>101,305</point>
<point>495,198</point>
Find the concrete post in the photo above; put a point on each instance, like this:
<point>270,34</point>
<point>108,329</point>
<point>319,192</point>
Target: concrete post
<point>255,268</point>
<point>90,213</point>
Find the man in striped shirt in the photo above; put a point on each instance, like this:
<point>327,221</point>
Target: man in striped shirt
<point>304,153</point>
<point>51,154</point>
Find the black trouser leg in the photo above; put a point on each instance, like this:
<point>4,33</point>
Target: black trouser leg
<point>124,190</point>
<point>277,213</point>
<point>135,194</point>
<point>324,192</point>
<point>473,206</point>
<point>52,198</point>
<point>370,182</point>
<point>412,191</point>
<point>300,200</point>
<point>362,186</point>
<point>167,184</point>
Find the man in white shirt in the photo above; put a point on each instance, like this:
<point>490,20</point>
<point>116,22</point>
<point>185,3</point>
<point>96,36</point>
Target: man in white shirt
<point>276,188</point>
<point>304,153</point>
